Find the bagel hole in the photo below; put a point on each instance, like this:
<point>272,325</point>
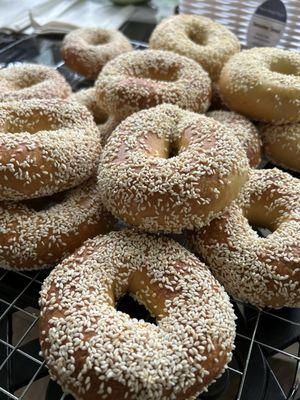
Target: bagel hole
<point>173,150</point>
<point>259,223</point>
<point>29,82</point>
<point>285,67</point>
<point>163,74</point>
<point>160,76</point>
<point>46,202</point>
<point>101,120</point>
<point>162,148</point>
<point>263,219</point>
<point>198,38</point>
<point>97,40</point>
<point>262,232</point>
<point>128,305</point>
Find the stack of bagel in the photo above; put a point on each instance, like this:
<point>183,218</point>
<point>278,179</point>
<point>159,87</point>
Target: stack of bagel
<point>49,151</point>
<point>169,140</point>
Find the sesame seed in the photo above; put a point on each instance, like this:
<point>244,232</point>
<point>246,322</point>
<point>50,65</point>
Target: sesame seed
<point>143,187</point>
<point>87,50</point>
<point>260,271</point>
<point>282,145</point>
<point>142,79</point>
<point>51,135</point>
<point>62,225</point>
<point>123,355</point>
<point>31,81</point>
<point>270,75</point>
<point>208,43</point>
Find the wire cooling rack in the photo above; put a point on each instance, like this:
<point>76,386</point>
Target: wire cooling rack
<point>266,361</point>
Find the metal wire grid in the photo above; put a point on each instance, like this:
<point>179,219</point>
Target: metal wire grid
<point>35,279</point>
<point>236,15</point>
<point>30,279</point>
<point>11,307</point>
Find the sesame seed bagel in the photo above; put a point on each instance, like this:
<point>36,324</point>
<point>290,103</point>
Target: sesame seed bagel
<point>31,81</point>
<point>282,145</point>
<point>105,123</point>
<point>96,352</point>
<point>167,169</point>
<point>244,130</point>
<point>38,233</point>
<point>260,271</point>
<point>263,84</point>
<point>199,38</point>
<point>144,79</point>
<point>46,146</point>
<point>87,50</point>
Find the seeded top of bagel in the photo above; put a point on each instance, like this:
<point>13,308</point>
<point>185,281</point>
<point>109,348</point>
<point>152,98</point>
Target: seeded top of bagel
<point>32,230</point>
<point>258,270</point>
<point>78,317</point>
<point>158,172</point>
<point>58,136</point>
<point>265,66</point>
<point>141,79</point>
<point>32,81</point>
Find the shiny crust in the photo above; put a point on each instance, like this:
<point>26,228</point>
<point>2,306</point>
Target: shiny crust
<point>142,185</point>
<point>87,50</point>
<point>245,131</point>
<point>90,347</point>
<point>46,146</point>
<point>260,271</point>
<point>263,84</point>
<point>199,38</point>
<point>144,79</point>
<point>39,233</point>
<point>282,145</point>
<point>31,81</point>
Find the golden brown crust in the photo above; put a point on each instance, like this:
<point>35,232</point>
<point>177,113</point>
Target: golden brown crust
<point>146,185</point>
<point>46,146</point>
<point>282,145</point>
<point>31,81</point>
<point>199,38</point>
<point>261,271</point>
<point>95,351</point>
<point>39,233</point>
<point>263,84</point>
<point>87,50</point>
<point>144,79</point>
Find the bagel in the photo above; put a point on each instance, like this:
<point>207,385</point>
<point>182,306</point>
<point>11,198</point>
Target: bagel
<point>31,81</point>
<point>261,271</point>
<point>144,79</point>
<point>199,38</point>
<point>282,145</point>
<point>46,146</point>
<point>87,50</point>
<point>263,84</point>
<point>244,130</point>
<point>105,123</point>
<point>97,352</point>
<point>169,169</point>
<point>38,233</point>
